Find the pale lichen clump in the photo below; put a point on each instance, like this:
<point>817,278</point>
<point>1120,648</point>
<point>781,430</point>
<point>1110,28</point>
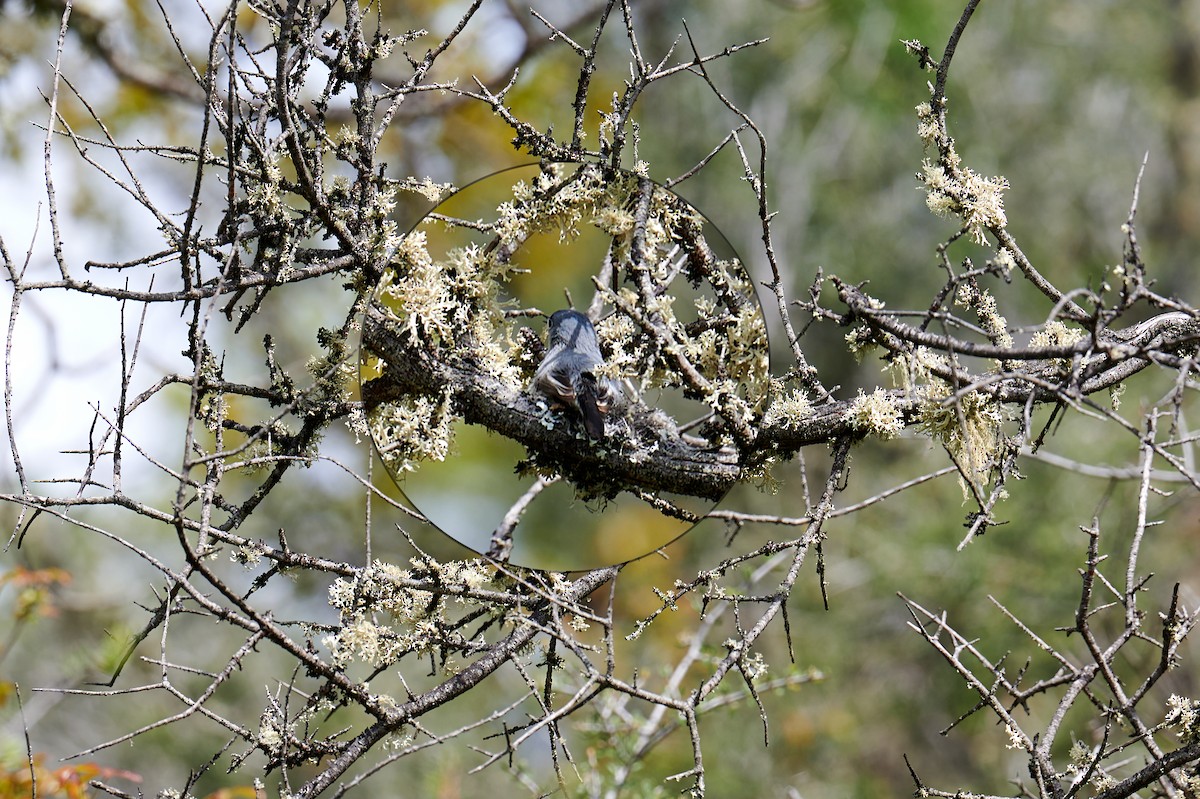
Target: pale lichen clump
<point>614,220</point>
<point>374,217</point>
<point>248,554</point>
<point>861,341</point>
<point>362,640</point>
<point>1004,261</point>
<point>877,414</point>
<point>443,300</point>
<point>755,667</point>
<point>1125,281</point>
<point>412,429</point>
<point>927,124</point>
<point>789,411</point>
<point>620,333</point>
<point>276,733</point>
<point>917,372</point>
<point>212,410</point>
<point>1083,759</point>
<point>983,302</point>
<point>494,354</point>
<point>335,375</point>
<point>977,200</point>
<point>725,342</point>
<point>1057,334</point>
<point>474,285</point>
<point>914,47</point>
<point>971,429</point>
<point>705,351</point>
<point>414,293</point>
<point>609,204</point>
<point>738,348</point>
<point>383,616</point>
<point>557,199</point>
<point>1184,713</point>
<point>266,196</point>
<point>427,188</point>
<point>951,188</point>
<point>453,302</point>
<point>730,353</point>
<point>578,624</point>
<point>1016,738</point>
<point>1115,394</point>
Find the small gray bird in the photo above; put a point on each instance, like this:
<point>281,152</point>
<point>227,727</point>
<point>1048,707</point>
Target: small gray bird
<point>567,375</point>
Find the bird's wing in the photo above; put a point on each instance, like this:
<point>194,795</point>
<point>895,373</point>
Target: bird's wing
<point>555,383</point>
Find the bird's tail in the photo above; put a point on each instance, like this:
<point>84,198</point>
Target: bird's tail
<point>587,395</point>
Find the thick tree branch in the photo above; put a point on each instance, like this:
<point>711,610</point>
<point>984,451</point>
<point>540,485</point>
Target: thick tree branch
<point>658,459</point>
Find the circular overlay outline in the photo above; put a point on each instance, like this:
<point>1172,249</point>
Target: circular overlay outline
<point>608,178</point>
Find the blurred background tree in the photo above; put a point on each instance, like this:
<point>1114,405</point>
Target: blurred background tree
<point>1063,100</point>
